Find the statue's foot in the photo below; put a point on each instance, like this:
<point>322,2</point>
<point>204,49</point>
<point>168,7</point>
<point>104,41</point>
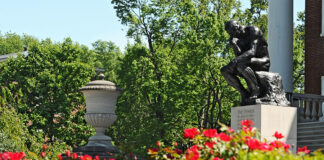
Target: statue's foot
<point>255,93</point>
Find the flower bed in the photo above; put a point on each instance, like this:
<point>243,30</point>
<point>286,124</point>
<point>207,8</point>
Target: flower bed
<point>245,144</point>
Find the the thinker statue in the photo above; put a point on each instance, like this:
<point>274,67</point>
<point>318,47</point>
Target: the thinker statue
<point>251,51</point>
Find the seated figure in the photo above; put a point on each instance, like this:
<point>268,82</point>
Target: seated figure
<point>251,51</point>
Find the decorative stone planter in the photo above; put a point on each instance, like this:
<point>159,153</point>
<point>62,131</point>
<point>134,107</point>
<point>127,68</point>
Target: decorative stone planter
<point>101,97</point>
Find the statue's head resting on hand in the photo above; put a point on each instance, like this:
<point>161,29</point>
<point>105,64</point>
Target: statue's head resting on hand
<point>233,28</point>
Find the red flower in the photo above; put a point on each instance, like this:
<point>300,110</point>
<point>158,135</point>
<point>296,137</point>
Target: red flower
<point>192,153</point>
<point>247,123</point>
<point>210,133</point>
<point>68,153</point>
<point>43,154</point>
<point>98,158</point>
<point>158,143</point>
<point>303,149</point>
<point>253,144</point>
<point>131,154</point>
<point>224,137</point>
<point>45,147</point>
<point>218,158</point>
<point>190,133</point>
<point>12,156</point>
<point>286,147</point>
<point>59,156</point>
<point>277,144</point>
<point>278,135</point>
<point>74,156</point>
<point>86,157</point>
<point>210,144</point>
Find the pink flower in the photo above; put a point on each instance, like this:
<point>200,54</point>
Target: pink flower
<point>247,123</point>
<point>190,133</point>
<point>43,154</point>
<point>210,133</point>
<point>74,156</point>
<point>98,158</point>
<point>68,153</point>
<point>265,147</point>
<point>218,158</point>
<point>278,135</point>
<point>230,130</point>
<point>158,143</point>
<point>303,149</point>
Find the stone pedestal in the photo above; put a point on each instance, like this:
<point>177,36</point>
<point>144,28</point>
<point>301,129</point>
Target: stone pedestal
<point>268,119</point>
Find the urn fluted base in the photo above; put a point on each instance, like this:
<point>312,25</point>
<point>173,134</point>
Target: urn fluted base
<point>101,121</point>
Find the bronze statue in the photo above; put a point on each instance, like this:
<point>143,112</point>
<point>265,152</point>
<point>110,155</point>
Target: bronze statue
<point>251,51</point>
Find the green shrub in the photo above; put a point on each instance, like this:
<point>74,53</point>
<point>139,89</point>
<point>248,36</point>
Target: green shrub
<point>12,131</point>
<point>15,137</point>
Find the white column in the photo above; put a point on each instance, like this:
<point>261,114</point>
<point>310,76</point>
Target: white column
<point>280,39</point>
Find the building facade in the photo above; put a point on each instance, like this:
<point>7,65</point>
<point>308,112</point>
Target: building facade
<point>314,47</point>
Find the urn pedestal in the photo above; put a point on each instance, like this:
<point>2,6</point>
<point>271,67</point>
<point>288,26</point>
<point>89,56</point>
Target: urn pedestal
<point>101,97</point>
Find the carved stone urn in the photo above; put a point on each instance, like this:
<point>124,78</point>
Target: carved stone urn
<point>101,97</point>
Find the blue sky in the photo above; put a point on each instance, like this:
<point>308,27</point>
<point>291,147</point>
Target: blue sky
<point>84,21</point>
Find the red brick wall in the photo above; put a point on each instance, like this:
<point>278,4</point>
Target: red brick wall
<point>314,47</point>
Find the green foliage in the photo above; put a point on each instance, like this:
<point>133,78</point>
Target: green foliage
<point>299,54</point>
<point>47,81</point>
<point>14,43</point>
<point>172,80</point>
<point>12,131</point>
<point>108,56</point>
<point>10,43</point>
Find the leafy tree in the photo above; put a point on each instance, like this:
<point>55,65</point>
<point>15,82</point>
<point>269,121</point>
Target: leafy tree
<point>172,79</point>
<point>14,43</point>
<point>299,54</point>
<point>108,57</point>
<point>48,80</point>
<point>10,43</point>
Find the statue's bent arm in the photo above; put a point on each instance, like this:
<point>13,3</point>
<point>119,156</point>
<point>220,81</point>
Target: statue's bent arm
<point>247,55</point>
